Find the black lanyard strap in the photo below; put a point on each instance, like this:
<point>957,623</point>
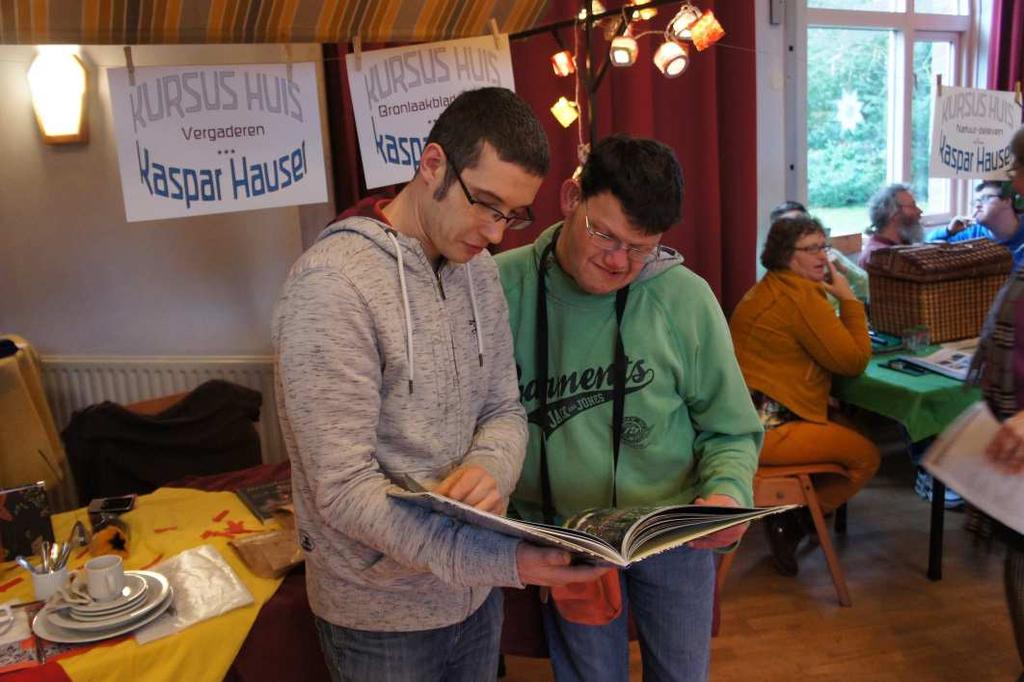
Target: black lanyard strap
<point>541,378</point>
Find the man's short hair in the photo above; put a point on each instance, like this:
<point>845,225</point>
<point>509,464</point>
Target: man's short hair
<point>786,207</point>
<point>1004,190</point>
<point>782,238</point>
<point>642,174</point>
<point>882,206</point>
<point>498,117</point>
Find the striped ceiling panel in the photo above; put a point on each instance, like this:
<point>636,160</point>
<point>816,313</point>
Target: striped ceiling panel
<point>142,22</point>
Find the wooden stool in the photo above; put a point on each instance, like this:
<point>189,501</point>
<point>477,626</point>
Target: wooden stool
<point>775,485</point>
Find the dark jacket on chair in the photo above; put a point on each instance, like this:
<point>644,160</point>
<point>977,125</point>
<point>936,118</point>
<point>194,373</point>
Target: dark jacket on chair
<point>114,451</point>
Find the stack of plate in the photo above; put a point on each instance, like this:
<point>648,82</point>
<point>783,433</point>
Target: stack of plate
<point>145,596</point>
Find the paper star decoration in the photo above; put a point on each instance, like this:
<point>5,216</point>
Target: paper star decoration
<point>848,111</point>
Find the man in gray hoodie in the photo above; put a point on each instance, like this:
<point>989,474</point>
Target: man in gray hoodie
<point>394,366</point>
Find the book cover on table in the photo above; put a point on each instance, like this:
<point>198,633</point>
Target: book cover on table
<point>263,499</point>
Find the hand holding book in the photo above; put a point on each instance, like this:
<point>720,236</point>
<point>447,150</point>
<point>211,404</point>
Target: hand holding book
<point>551,567</point>
<point>723,538</point>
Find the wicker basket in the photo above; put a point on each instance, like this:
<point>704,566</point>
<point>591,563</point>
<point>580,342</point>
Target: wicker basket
<point>946,287</point>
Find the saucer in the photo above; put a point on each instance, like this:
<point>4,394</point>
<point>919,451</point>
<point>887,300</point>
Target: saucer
<point>153,597</point>
<point>54,633</point>
<point>134,589</point>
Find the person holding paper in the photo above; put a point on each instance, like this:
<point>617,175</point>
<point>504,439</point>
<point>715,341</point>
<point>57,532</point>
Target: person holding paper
<point>789,343</point>
<point>999,354</point>
<point>634,399</point>
<point>394,362</point>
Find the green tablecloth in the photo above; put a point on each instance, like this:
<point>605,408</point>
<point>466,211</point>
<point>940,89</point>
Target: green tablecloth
<point>925,405</point>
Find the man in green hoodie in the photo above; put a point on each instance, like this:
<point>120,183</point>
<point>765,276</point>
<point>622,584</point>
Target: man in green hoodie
<point>644,401</point>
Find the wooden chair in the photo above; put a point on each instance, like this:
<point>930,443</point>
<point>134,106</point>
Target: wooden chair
<point>774,485</point>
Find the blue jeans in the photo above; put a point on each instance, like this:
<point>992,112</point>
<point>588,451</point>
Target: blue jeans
<point>464,652</point>
<point>671,597</point>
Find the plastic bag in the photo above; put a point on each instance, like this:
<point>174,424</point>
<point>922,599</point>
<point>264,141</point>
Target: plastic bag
<point>204,586</point>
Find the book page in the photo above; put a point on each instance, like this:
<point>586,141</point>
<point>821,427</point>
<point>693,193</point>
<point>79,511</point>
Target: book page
<point>958,459</point>
<point>576,541</point>
<point>609,524</point>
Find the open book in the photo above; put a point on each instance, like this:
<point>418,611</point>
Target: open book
<point>615,536</point>
<point>958,459</point>
<point>951,359</point>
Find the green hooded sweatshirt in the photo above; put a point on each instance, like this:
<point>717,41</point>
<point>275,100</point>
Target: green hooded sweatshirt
<point>689,428</point>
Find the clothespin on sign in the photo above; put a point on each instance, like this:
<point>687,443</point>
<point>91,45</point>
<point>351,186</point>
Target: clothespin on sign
<point>938,85</point>
<point>130,64</point>
<point>357,48</point>
<point>288,60</point>
<point>494,32</point>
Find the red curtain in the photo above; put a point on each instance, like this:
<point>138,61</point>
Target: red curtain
<point>707,116</point>
<point>1006,46</point>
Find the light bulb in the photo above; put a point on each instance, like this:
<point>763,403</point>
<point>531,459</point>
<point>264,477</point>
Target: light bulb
<point>623,51</point>
<point>56,80</point>
<point>682,21</point>
<point>565,112</point>
<point>671,58</point>
<point>563,63</point>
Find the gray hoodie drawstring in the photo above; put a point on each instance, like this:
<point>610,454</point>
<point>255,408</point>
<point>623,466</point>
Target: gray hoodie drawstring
<point>405,304</point>
<point>476,316</point>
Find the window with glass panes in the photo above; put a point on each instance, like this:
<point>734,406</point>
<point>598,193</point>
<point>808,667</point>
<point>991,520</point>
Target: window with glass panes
<point>871,73</point>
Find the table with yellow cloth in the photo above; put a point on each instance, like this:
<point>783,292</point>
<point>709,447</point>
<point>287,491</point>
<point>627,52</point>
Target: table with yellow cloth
<point>163,524</point>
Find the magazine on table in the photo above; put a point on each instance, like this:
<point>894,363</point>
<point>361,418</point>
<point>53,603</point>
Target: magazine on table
<point>265,498</point>
<point>951,359</point>
<point>616,536</point>
<point>958,459</point>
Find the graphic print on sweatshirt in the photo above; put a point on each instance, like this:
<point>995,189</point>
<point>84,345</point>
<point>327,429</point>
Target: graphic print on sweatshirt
<point>578,391</point>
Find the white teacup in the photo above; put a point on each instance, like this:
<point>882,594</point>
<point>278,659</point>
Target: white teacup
<point>46,584</point>
<point>105,577</point>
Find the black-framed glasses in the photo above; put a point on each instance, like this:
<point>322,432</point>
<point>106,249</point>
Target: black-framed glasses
<point>813,249</point>
<point>985,198</point>
<point>515,220</point>
<point>606,242</point>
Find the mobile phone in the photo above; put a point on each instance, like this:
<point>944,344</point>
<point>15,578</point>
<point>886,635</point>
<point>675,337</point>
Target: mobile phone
<point>828,270</point>
<point>905,367</point>
<point>112,505</point>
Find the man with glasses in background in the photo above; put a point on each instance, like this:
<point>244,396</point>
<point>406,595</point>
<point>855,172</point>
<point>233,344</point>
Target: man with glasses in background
<point>895,219</point>
<point>394,367</point>
<point>634,398</point>
<point>994,218</point>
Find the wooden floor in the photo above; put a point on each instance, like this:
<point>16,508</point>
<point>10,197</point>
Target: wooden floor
<point>901,626</point>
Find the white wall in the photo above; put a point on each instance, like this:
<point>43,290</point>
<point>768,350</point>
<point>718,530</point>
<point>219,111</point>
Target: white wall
<point>76,279</point>
<point>773,135</point>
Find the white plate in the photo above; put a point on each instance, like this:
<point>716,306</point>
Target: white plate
<point>154,596</point>
<point>134,587</point>
<point>43,628</point>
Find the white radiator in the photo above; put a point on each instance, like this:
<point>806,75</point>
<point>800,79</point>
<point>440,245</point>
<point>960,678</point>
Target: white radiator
<point>73,382</point>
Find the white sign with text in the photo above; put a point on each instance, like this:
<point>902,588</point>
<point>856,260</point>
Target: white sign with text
<point>971,131</point>
<point>398,93</point>
<point>194,140</point>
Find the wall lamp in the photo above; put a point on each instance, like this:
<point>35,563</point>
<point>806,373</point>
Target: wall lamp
<point>57,81</point>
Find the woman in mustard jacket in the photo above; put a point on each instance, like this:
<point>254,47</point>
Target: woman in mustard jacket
<point>789,342</point>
